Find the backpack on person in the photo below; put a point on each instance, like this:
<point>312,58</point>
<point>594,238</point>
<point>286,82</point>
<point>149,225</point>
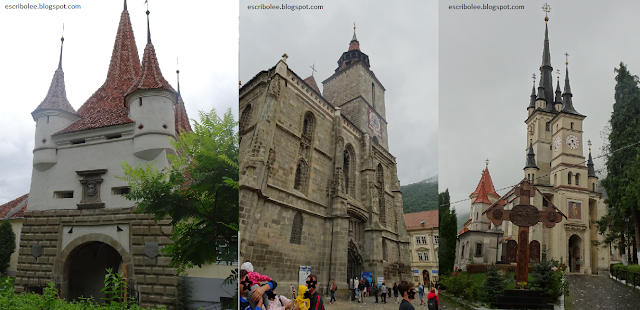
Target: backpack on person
<point>432,304</point>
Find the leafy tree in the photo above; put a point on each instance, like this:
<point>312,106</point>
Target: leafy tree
<point>620,180</point>
<point>448,233</point>
<point>7,244</point>
<point>199,192</point>
<point>494,283</point>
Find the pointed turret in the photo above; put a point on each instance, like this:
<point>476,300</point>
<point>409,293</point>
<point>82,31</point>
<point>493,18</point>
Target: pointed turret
<point>532,101</point>
<point>546,82</point>
<point>353,54</point>
<point>106,106</point>
<point>485,186</point>
<point>56,98</point>
<point>567,103</point>
<point>531,158</point>
<point>591,171</point>
<point>312,83</point>
<point>558,100</point>
<point>182,120</point>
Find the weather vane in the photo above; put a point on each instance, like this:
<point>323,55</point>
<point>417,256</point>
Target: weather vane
<point>567,58</point>
<point>487,161</point>
<point>558,73</point>
<point>313,68</point>
<point>589,144</point>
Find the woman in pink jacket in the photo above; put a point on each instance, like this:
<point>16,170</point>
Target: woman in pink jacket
<point>279,302</point>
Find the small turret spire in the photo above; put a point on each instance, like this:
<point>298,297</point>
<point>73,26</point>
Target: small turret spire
<point>591,172</point>
<point>61,44</point>
<point>558,91</point>
<point>354,33</point>
<point>532,102</point>
<point>531,157</point>
<point>567,102</point>
<point>148,29</point>
<point>178,74</point>
<point>125,5</point>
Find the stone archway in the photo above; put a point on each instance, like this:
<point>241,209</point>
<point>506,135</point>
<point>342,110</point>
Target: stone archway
<point>82,265</point>
<point>575,254</point>
<point>425,277</point>
<point>354,261</point>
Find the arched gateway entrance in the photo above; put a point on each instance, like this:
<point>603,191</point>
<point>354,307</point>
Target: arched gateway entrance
<point>83,265</point>
<point>575,253</point>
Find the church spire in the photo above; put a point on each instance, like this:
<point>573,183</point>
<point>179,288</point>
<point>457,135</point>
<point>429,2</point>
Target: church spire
<point>354,33</point>
<point>150,76</point>
<point>181,118</point>
<point>354,45</point>
<point>532,102</point>
<point>61,44</point>
<point>591,171</point>
<point>531,158</point>
<point>546,81</point>
<point>567,103</point>
<point>558,91</point>
<point>56,98</point>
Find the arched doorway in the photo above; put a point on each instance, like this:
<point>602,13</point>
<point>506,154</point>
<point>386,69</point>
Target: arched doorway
<point>354,262</point>
<point>85,269</point>
<point>575,254</point>
<point>425,277</point>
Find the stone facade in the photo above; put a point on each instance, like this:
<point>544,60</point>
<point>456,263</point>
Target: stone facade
<point>318,186</point>
<point>54,228</point>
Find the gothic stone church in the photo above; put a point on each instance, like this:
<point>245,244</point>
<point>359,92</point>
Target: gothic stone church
<point>555,165</point>
<point>318,185</point>
<point>77,222</point>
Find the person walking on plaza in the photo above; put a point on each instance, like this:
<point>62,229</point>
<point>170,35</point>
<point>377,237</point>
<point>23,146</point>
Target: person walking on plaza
<point>361,288</point>
<point>421,293</point>
<point>432,299</point>
<point>395,291</point>
<point>374,290</point>
<point>334,287</point>
<point>383,291</point>
<point>408,294</point>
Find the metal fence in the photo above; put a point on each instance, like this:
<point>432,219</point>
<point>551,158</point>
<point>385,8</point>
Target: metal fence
<point>631,277</point>
<point>37,285</point>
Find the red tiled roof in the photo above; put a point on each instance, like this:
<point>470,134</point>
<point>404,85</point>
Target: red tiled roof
<point>106,106</point>
<point>312,83</point>
<point>56,98</point>
<point>150,76</point>
<point>462,231</point>
<point>485,186</point>
<point>14,208</point>
<point>182,120</point>
<point>354,46</point>
<point>413,220</point>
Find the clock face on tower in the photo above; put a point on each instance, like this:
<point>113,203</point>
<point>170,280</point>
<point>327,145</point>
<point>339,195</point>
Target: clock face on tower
<point>374,123</point>
<point>572,142</point>
<point>556,143</point>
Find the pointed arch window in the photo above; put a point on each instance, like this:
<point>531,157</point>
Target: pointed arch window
<point>546,127</point>
<point>381,200</point>
<point>245,117</point>
<point>571,125</point>
<point>308,125</point>
<point>296,229</point>
<point>300,180</point>
<point>348,168</point>
<point>570,175</point>
<point>577,179</point>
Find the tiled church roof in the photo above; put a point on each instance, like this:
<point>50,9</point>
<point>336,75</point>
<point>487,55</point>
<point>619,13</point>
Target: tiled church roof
<point>106,106</point>
<point>56,98</point>
<point>182,120</point>
<point>312,83</point>
<point>150,77</point>
<point>485,185</point>
<point>413,220</point>
<point>14,208</point>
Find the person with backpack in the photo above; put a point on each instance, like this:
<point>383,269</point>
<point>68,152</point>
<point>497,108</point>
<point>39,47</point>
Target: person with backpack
<point>334,287</point>
<point>395,291</point>
<point>432,299</point>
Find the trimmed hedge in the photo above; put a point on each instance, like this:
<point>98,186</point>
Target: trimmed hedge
<point>482,268</point>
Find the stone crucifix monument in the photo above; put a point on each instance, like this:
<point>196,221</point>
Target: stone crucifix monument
<point>524,215</point>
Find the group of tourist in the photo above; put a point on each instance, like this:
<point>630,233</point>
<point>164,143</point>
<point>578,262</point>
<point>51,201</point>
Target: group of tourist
<point>254,296</point>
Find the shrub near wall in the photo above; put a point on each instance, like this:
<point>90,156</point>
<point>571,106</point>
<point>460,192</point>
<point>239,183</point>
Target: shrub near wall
<point>504,269</point>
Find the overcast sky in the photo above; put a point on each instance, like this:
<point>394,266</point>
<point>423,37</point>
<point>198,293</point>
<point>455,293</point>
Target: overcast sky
<point>486,62</point>
<point>401,41</point>
<point>202,34</point>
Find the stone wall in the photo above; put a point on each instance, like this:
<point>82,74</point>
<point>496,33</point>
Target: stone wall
<point>155,279</point>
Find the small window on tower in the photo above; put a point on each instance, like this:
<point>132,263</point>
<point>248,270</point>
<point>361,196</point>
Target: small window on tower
<point>571,125</point>
<point>63,194</point>
<point>120,190</point>
<point>570,175</point>
<point>547,127</point>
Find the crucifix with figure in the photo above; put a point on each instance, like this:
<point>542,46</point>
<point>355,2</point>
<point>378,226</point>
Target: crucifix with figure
<point>524,215</point>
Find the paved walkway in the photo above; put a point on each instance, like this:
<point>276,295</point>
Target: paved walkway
<point>601,292</point>
<point>369,303</point>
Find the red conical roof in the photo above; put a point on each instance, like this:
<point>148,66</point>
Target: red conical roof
<point>150,76</point>
<point>106,106</point>
<point>484,188</point>
<point>182,120</point>
<point>312,83</point>
<point>56,98</point>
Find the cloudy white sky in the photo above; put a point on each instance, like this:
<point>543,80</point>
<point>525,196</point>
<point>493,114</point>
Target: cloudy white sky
<point>486,62</point>
<point>401,41</point>
<point>202,34</point>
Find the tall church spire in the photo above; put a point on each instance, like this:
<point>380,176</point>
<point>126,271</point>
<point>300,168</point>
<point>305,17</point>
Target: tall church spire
<point>56,98</point>
<point>567,103</point>
<point>354,45</point>
<point>546,81</point>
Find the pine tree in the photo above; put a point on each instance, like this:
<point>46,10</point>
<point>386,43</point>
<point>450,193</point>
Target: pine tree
<point>620,180</point>
<point>7,244</point>
<point>494,283</point>
<point>448,230</point>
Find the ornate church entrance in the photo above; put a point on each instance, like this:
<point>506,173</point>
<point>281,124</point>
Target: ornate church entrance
<point>85,269</point>
<point>575,256</point>
<point>354,262</point>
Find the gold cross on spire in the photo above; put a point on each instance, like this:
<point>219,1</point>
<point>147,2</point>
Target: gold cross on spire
<point>589,144</point>
<point>566,55</point>
<point>354,26</point>
<point>558,73</point>
<point>546,8</point>
<point>487,163</point>
<point>534,78</point>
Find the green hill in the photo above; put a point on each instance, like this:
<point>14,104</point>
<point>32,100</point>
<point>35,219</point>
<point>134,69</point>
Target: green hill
<point>421,196</point>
